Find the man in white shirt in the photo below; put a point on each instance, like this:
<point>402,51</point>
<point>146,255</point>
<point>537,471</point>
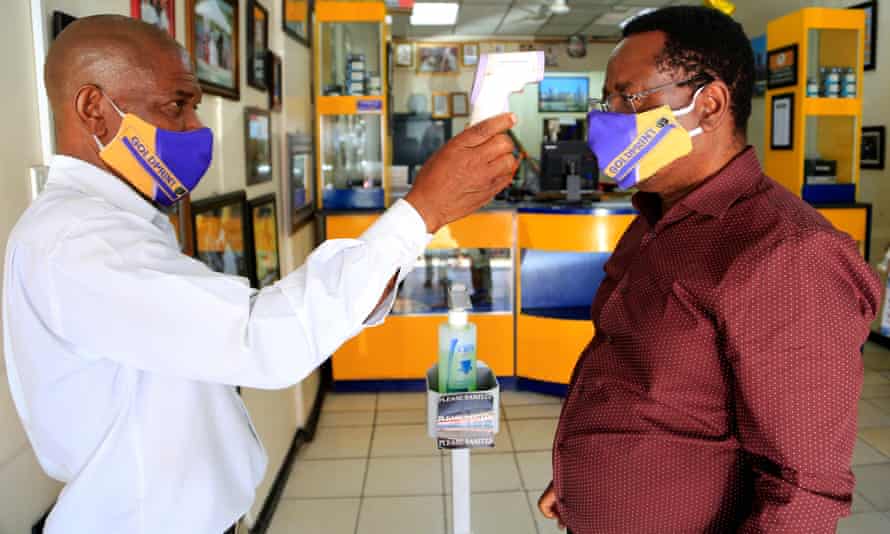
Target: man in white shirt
<point>122,352</point>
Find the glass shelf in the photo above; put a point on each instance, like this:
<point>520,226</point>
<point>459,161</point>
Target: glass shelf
<point>487,273</point>
<point>351,166</point>
<point>833,138</point>
<point>832,67</point>
<point>351,56</point>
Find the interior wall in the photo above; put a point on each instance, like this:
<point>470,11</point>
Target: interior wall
<point>25,491</point>
<point>407,82</point>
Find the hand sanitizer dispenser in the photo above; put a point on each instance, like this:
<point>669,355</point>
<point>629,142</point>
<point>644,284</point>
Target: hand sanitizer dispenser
<point>457,345</point>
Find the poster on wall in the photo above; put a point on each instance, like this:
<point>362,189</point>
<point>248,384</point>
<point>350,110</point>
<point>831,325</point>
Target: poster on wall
<point>874,147</point>
<point>212,30</point>
<point>257,145</point>
<point>160,13</point>
<point>264,222</point>
<point>871,32</point>
<point>758,45</point>
<point>782,125</point>
<point>437,59</point>
<point>297,21</point>
<point>222,240</point>
<point>781,67</point>
<point>257,44</point>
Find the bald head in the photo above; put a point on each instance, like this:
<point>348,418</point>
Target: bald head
<point>139,66</point>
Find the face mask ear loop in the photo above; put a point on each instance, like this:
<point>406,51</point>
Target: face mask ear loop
<point>688,109</point>
<point>110,101</point>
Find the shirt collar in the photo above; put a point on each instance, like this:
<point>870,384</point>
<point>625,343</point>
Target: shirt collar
<point>89,179</point>
<point>715,195</point>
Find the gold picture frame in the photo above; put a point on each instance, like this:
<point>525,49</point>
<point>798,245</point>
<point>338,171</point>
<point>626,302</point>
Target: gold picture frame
<point>441,105</point>
<point>439,58</point>
<point>460,104</point>
<point>469,54</point>
<point>403,55</point>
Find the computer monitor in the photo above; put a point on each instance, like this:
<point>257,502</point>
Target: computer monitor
<point>559,159</point>
<point>564,129</point>
<point>416,137</point>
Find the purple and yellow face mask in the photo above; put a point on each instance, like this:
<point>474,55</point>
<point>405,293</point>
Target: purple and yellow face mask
<point>632,147</point>
<point>162,164</point>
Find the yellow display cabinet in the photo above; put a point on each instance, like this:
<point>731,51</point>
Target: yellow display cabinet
<point>814,101</point>
<point>476,251</point>
<point>351,105</point>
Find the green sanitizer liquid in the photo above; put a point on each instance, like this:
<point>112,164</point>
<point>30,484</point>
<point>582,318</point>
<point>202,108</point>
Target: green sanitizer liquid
<point>457,345</point>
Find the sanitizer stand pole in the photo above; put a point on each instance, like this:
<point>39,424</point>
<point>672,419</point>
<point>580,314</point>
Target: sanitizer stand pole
<point>460,490</point>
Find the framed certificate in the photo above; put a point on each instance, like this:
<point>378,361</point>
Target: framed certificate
<point>782,125</point>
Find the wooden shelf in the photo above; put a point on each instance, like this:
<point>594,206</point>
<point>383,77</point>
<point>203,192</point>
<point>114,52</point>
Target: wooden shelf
<point>850,107</point>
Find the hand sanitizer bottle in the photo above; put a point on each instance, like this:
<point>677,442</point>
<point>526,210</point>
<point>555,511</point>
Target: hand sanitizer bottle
<point>457,345</point>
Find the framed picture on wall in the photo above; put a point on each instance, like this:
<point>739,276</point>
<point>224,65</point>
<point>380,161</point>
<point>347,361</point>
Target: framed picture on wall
<point>297,20</point>
<point>460,105</point>
<point>257,44</point>
<point>161,13</point>
<point>874,147</point>
<point>257,145</point>
<point>222,237</point>
<point>61,20</point>
<point>871,32</point>
<point>758,45</point>
<point>264,224</point>
<point>275,74</point>
<point>300,187</point>
<point>405,55</point>
<point>782,124</point>
<point>469,54</point>
<point>437,59</point>
<point>212,38</point>
<point>781,67</point>
<point>181,219</point>
<point>441,105</point>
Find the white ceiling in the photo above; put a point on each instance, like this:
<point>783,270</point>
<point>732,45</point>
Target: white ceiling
<point>504,18</point>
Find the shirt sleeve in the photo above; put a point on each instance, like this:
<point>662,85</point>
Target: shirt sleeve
<point>793,328</point>
<point>121,292</point>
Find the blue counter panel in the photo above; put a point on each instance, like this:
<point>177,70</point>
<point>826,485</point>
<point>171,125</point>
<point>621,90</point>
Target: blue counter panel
<point>560,284</point>
<point>344,199</point>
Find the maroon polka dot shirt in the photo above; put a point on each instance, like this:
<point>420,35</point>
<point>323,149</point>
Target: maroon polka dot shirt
<point>720,391</point>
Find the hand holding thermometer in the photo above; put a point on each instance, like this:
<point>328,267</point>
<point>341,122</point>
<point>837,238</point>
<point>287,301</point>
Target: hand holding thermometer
<point>500,75</point>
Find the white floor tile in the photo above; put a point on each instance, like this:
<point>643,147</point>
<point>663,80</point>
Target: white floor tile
<point>329,516</point>
<point>865,454</point>
<point>533,434</point>
<point>499,513</point>
<point>402,515</point>
<point>403,440</point>
<point>873,482</point>
<point>339,442</point>
<point>524,398</point>
<point>401,401</point>
<point>350,402</point>
<point>536,469</point>
<point>545,526</point>
<point>390,477</point>
<point>488,472</point>
<point>869,523</point>
<point>874,412</point>
<point>313,479</point>
<point>533,411</point>
<point>410,417</point>
<point>330,419</point>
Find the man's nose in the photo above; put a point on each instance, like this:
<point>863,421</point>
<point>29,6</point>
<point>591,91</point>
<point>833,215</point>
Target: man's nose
<point>192,121</point>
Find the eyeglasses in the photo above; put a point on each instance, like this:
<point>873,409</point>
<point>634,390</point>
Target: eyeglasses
<point>633,100</point>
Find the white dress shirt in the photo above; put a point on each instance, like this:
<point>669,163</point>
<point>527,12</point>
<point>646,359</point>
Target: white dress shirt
<point>122,352</point>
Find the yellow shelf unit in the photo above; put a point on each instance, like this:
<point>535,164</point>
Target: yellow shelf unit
<point>829,128</point>
<point>357,16</point>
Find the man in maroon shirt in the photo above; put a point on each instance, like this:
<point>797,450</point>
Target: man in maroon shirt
<point>720,391</point>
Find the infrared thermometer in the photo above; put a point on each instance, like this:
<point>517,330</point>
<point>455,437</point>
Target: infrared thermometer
<point>500,75</point>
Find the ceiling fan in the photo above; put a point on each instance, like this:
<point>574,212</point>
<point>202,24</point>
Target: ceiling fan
<point>545,10</point>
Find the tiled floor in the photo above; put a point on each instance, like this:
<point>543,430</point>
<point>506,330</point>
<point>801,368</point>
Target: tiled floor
<point>373,470</point>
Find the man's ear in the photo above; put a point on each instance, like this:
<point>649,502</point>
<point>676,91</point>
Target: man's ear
<point>90,111</point>
<point>714,104</point>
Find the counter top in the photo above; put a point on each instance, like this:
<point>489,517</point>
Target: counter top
<point>611,207</point>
